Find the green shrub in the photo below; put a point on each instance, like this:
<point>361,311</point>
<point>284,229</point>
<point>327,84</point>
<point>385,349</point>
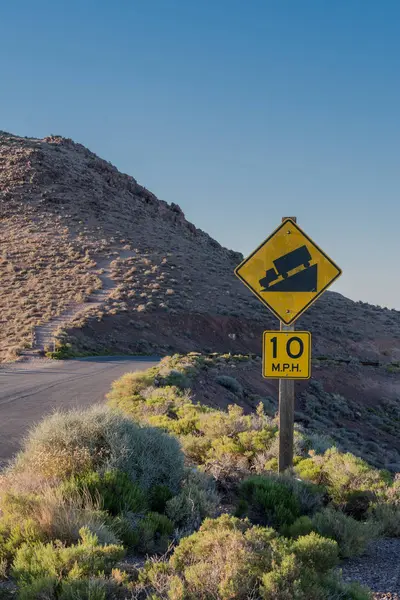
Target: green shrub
<point>43,588</point>
<point>309,496</point>
<point>94,588</point>
<point>154,533</point>
<point>238,444</point>
<point>159,495</point>
<point>13,534</point>
<point>229,558</point>
<point>114,490</point>
<point>86,589</point>
<point>352,536</point>
<point>230,445</point>
<point>290,581</point>
<point>176,379</point>
<point>38,560</point>
<point>127,389</point>
<point>230,383</point>
<point>302,526</point>
<point>267,501</point>
<point>387,519</point>
<point>342,475</point>
<point>96,439</point>
<point>316,553</point>
<point>126,529</point>
<point>224,559</point>
<point>304,571</point>
<point>197,500</point>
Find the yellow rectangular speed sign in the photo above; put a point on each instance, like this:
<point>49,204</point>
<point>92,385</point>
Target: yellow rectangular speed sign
<point>287,354</point>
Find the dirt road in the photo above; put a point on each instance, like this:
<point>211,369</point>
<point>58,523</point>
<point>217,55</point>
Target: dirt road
<point>30,390</point>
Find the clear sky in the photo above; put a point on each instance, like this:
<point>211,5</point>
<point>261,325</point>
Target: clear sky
<point>239,111</point>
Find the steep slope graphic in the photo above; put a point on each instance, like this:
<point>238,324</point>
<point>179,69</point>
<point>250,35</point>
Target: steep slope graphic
<point>279,279</point>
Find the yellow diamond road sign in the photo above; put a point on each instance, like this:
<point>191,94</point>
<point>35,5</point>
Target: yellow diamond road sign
<point>287,354</point>
<point>288,272</point>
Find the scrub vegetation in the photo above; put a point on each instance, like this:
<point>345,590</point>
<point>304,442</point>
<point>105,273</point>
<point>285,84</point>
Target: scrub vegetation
<point>158,496</point>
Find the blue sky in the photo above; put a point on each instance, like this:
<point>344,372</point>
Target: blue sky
<point>240,112</point>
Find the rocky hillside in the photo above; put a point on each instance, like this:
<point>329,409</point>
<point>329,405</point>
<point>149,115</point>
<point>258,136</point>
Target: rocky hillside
<point>65,213</point>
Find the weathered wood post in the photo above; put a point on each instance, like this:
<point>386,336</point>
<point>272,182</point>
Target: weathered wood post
<point>286,410</point>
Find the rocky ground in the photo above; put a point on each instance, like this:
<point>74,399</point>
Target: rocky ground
<point>378,569</point>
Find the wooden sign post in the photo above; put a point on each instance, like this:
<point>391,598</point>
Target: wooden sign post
<point>286,409</point>
<point>286,418</point>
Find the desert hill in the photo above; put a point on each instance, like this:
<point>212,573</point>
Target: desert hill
<point>71,224</point>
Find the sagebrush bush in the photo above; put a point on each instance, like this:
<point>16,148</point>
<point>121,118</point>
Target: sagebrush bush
<point>223,559</point>
<point>318,443</point>
<point>229,558</point>
<point>3,569</point>
<point>387,519</point>
<point>316,552</point>
<point>175,378</point>
<point>352,536</point>
<point>127,389</point>
<point>342,475</point>
<point>197,500</point>
<point>38,560</point>
<point>392,494</point>
<point>301,526</point>
<point>230,383</point>
<point>97,439</point>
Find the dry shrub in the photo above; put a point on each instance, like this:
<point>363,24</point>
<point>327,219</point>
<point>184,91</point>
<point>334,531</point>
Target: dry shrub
<point>51,514</point>
<point>98,438</point>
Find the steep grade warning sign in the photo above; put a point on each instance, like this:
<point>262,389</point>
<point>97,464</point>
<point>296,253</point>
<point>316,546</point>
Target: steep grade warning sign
<point>288,272</point>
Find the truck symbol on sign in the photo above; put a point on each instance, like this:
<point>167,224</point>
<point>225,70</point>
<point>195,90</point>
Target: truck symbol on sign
<point>279,280</point>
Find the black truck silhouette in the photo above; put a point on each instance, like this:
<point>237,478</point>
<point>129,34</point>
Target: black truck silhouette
<point>285,263</point>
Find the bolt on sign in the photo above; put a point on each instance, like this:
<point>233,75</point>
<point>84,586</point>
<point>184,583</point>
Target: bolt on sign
<point>288,272</point>
<point>287,354</point>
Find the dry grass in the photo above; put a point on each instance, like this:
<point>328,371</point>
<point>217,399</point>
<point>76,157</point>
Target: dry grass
<point>42,275</point>
<point>25,496</point>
